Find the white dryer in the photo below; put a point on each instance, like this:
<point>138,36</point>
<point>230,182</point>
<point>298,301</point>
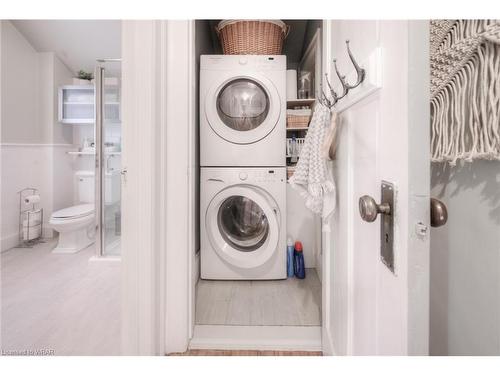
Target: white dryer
<point>242,110</point>
<point>242,223</point>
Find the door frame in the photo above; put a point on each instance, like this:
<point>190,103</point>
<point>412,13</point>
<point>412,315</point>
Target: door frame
<point>157,285</point>
<point>158,296</point>
<point>326,243</point>
<point>156,227</point>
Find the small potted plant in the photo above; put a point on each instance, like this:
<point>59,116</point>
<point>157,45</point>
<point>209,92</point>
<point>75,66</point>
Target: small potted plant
<point>83,78</point>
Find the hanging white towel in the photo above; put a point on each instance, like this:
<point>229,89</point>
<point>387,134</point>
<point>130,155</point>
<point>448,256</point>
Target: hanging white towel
<point>312,178</point>
<point>330,143</point>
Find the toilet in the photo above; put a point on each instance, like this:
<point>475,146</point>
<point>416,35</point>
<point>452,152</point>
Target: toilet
<point>76,224</point>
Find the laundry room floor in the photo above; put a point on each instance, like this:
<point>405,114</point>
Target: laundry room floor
<point>290,302</point>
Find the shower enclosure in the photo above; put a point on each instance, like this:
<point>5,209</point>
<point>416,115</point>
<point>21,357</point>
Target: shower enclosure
<point>108,157</point>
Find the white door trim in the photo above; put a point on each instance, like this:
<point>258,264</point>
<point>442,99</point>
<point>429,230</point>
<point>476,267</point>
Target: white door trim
<point>328,346</point>
<point>307,338</point>
<point>157,234</point>
<point>193,259</point>
<point>143,256</point>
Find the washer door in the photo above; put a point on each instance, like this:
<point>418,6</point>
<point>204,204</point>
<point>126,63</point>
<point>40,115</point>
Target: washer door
<point>242,109</point>
<point>243,226</point>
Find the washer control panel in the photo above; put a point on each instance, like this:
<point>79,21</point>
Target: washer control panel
<point>266,175</point>
<point>230,176</point>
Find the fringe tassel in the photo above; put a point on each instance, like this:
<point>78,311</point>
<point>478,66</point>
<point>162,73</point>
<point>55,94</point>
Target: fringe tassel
<point>465,114</point>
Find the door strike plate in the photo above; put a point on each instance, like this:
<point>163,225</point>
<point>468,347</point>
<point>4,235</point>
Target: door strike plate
<point>387,226</point>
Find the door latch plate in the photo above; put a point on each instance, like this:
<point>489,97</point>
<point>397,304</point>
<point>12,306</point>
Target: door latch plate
<point>387,226</point>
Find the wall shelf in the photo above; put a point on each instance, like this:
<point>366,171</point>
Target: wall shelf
<point>89,103</point>
<point>290,104</point>
<point>82,153</point>
<point>76,105</point>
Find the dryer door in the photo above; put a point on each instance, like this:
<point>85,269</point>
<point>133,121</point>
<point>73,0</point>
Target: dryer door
<point>243,225</point>
<point>242,109</point>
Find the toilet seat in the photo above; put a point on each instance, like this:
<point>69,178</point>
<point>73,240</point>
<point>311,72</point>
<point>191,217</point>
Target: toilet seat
<point>74,212</point>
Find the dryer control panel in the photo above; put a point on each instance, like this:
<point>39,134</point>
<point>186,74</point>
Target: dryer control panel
<point>243,62</point>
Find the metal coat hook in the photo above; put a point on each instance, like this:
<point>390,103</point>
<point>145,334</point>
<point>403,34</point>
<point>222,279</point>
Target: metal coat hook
<point>345,86</point>
<point>360,72</point>
<point>324,99</point>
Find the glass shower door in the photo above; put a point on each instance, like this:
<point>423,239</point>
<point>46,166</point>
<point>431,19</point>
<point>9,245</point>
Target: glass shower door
<point>108,157</point>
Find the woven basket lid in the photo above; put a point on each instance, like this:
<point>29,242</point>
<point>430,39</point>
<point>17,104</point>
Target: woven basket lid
<point>279,23</point>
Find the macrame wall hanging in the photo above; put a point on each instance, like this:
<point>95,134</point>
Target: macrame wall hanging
<point>465,90</point>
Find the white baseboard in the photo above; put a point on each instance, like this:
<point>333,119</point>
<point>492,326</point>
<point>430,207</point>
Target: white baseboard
<point>9,241</point>
<point>12,240</point>
<point>328,347</point>
<point>105,259</point>
<point>256,338</point>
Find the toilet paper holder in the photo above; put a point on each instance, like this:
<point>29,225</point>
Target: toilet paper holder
<point>30,218</point>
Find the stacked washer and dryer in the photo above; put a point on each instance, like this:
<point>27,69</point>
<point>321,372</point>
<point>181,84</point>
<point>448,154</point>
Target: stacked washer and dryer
<point>243,167</point>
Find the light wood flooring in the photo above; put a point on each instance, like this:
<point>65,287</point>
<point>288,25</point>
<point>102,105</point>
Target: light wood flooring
<point>205,352</point>
<point>60,303</point>
<point>290,302</point>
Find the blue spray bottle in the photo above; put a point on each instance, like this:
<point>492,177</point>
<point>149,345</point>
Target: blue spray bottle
<point>289,257</point>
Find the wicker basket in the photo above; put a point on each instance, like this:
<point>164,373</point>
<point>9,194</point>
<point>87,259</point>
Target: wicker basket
<point>298,118</point>
<point>252,37</point>
<point>297,121</point>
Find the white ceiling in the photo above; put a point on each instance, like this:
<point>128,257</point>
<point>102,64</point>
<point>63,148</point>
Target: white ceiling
<point>78,43</point>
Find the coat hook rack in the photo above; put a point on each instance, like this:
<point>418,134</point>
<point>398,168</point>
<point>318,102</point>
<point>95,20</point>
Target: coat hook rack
<point>346,87</point>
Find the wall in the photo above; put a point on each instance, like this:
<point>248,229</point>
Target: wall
<point>34,144</point>
<point>20,81</point>
<point>311,28</point>
<point>465,260</point>
<point>304,226</point>
<point>203,46</point>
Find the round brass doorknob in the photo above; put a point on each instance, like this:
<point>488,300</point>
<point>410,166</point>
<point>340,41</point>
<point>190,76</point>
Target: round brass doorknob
<point>439,213</point>
<point>369,209</point>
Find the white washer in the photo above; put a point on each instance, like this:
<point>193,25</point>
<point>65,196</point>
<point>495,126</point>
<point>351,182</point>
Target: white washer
<point>242,110</point>
<point>242,223</point>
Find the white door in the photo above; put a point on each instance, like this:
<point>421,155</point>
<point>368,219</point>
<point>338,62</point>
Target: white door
<point>370,309</point>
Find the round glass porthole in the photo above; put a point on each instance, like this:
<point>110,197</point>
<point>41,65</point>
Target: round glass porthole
<point>242,223</point>
<point>242,104</point>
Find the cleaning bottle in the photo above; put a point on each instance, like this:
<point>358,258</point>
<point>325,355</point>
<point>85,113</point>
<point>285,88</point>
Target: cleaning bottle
<point>298,260</point>
<point>293,150</point>
<point>289,257</point>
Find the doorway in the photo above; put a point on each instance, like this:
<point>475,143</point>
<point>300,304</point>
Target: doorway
<point>57,296</point>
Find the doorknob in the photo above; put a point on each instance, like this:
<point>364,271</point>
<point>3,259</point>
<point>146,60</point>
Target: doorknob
<point>439,213</point>
<point>369,209</point>
<point>123,172</point>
